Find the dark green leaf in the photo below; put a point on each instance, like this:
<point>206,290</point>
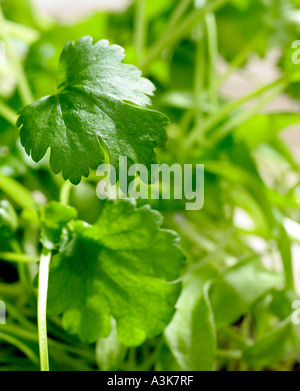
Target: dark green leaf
<point>89,113</point>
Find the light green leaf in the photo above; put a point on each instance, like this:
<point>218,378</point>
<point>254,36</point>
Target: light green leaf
<point>124,266</point>
<point>191,335</point>
<point>265,127</point>
<point>89,113</point>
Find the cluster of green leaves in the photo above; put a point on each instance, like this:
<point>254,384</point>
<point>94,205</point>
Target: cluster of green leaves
<point>114,271</point>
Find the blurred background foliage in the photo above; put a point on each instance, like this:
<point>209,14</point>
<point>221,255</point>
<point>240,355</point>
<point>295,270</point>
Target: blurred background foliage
<point>242,279</point>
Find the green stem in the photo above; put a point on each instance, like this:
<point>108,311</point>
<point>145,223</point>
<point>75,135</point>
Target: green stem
<point>17,257</point>
<point>175,33</point>
<point>178,12</point>
<point>65,193</point>
<point>22,266</point>
<point>232,354</point>
<point>11,291</point>
<point>23,86</point>
<point>42,308</point>
<point>241,57</point>
<point>228,108</point>
<point>245,115</point>
<point>17,192</point>
<point>245,329</point>
<point>212,37</point>
<point>199,72</point>
<point>7,113</point>
<point>140,29</point>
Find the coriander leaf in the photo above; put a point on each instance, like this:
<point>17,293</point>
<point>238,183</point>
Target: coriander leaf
<point>54,216</point>
<point>89,113</point>
<point>119,267</point>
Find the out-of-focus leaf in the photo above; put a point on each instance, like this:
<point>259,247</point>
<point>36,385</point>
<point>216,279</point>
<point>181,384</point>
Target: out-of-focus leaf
<point>237,25</point>
<point>280,344</point>
<point>157,7</point>
<point>265,127</point>
<point>191,335</point>
<point>238,289</point>
<point>284,247</point>
<point>252,183</point>
<point>281,304</point>
<point>278,303</point>
<point>86,202</point>
<point>22,12</point>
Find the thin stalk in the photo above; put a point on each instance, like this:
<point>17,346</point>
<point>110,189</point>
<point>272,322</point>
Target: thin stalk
<point>227,109</point>
<point>22,267</point>
<point>246,329</point>
<point>32,336</point>
<point>17,192</point>
<point>140,29</point>
<point>231,354</point>
<point>18,258</point>
<point>7,113</point>
<point>65,193</point>
<point>241,57</point>
<point>21,346</point>
<point>212,38</point>
<point>42,308</point>
<point>16,314</point>
<point>10,291</point>
<point>178,31</point>
<point>23,86</point>
<point>245,115</point>
<point>199,72</point>
<point>178,12</point>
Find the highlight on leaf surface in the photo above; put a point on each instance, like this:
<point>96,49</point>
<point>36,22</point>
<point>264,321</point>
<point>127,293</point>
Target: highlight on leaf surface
<point>91,111</point>
<point>125,266</point>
